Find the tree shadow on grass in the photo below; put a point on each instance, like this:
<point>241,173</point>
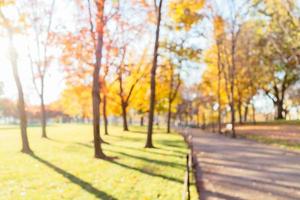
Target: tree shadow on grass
<point>165,153</point>
<point>175,144</point>
<point>159,162</point>
<point>181,154</point>
<point>148,172</point>
<point>84,144</point>
<point>136,168</point>
<point>136,131</point>
<point>176,150</point>
<point>155,131</point>
<point>83,184</point>
<point>125,138</point>
<point>53,140</point>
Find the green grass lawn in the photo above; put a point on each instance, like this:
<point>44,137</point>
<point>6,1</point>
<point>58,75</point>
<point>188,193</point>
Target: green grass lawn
<point>63,166</point>
<point>272,141</point>
<point>275,122</point>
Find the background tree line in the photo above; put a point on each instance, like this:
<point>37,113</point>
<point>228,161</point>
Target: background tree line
<point>134,58</point>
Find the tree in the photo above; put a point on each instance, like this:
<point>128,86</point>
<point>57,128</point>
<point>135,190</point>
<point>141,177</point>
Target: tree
<point>98,38</point>
<point>219,36</point>
<point>238,13</point>
<point>141,96</point>
<point>8,108</point>
<point>250,74</point>
<point>279,50</point>
<point>149,143</point>
<point>104,91</point>
<point>234,32</point>
<point>130,66</point>
<point>80,47</point>
<point>185,13</point>
<point>176,53</point>
<point>219,58</point>
<point>213,85</point>
<point>174,85</point>
<point>110,53</point>
<point>5,22</point>
<point>41,28</point>
<point>135,72</point>
<point>75,101</point>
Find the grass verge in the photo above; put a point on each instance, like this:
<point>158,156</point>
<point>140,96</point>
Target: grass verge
<point>272,141</point>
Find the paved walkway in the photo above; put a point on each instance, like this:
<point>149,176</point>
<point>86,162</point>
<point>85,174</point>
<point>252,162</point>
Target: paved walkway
<point>237,169</point>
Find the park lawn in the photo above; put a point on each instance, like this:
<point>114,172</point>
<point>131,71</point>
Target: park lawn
<point>63,166</point>
<point>288,144</point>
<point>280,133</point>
<point>275,122</point>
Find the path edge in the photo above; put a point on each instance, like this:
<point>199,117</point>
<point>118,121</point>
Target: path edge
<point>197,172</point>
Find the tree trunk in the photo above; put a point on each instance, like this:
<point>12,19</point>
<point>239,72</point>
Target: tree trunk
<point>96,119</point>
<point>124,116</point>
<point>212,124</point>
<point>232,84</point>
<point>43,115</point>
<point>149,143</point>
<point>21,102</point>
<point>232,119</point>
<point>169,117</point>
<point>123,101</point>
<point>253,114</point>
<point>219,93</point>
<point>187,122</point>
<point>142,121</point>
<point>240,112</point>
<point>280,110</point>
<point>96,84</point>
<point>198,119</point>
<point>246,113</point>
<point>204,121</point>
<point>105,114</point>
